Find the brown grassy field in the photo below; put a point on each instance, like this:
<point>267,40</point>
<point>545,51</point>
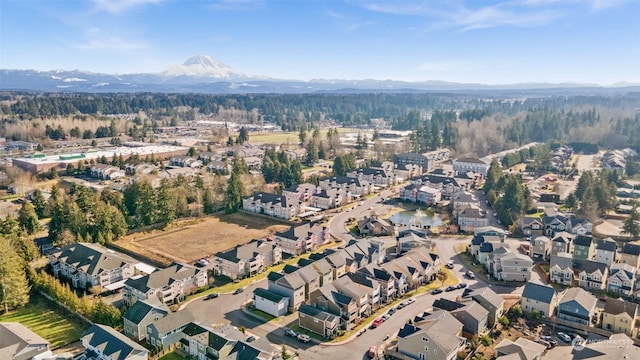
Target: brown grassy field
<point>190,240</point>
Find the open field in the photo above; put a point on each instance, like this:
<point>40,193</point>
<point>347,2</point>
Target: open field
<point>190,240</point>
<point>291,137</point>
<point>47,320</point>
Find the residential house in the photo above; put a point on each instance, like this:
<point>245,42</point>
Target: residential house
<point>354,186</point>
<point>105,343</point>
<point>490,231</point>
<point>105,172</point>
<point>368,284</point>
<point>618,346</point>
<point>206,343</point>
<point>291,286</point>
<point>329,299</point>
<point>361,294</point>
<point>581,227</point>
<point>318,321</point>
<point>583,249</point>
<point>374,175</point>
<point>299,239</point>
<point>446,184</point>
<point>273,205</point>
<point>246,260</point>
<point>18,342</point>
<point>592,275</point>
<point>462,200</point>
<point>421,194</point>
<point>270,302</point>
<point>555,223</point>
<point>491,301</point>
<point>174,173</point>
<point>330,198</point>
<point>412,159</point>
<point>606,251</point>
<point>322,267</point>
<point>512,267</point>
<point>219,167</point>
<point>630,254</point>
<point>89,264</point>
<point>311,280</point>
<point>531,226</point>
<point>578,306</point>
<point>338,261</point>
<point>410,237</point>
<point>619,316</point>
<point>473,316</point>
<point>521,349</point>
<point>470,218</point>
<point>374,226</point>
<point>436,336</point>
<point>385,279</point>
<point>139,168</point>
<point>540,248</point>
<point>185,161</point>
<point>622,279</point>
<point>171,284</point>
<point>474,165</point>
<point>539,297</point>
<point>562,242</point>
<point>141,314</point>
<point>561,269</point>
<point>167,331</point>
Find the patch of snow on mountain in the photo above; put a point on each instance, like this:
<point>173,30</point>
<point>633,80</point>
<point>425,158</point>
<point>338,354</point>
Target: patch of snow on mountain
<point>74,80</point>
<point>202,66</point>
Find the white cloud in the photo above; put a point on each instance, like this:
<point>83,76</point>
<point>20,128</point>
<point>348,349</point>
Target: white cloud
<point>95,39</point>
<point>231,5</point>
<point>118,6</point>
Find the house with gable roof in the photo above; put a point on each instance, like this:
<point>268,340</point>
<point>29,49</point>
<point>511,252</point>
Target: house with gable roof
<point>555,223</point>
<point>318,321</point>
<point>491,301</point>
<point>171,284</point>
<point>582,227</point>
<point>167,331</point>
<point>562,242</point>
<point>624,348</point>
<point>385,279</point>
<point>578,306</point>
<point>619,316</point>
<point>18,342</point>
<point>592,275</point>
<point>141,314</point>
<point>561,269</point>
<point>299,239</point>
<point>583,249</point>
<point>622,279</point>
<point>246,260</point>
<point>521,349</point>
<point>278,206</point>
<point>606,251</point>
<point>271,303</point>
<point>436,336</point>
<point>540,247</point>
<point>531,226</point>
<point>329,299</point>
<point>290,285</point>
<point>630,254</point>
<point>354,186</point>
<point>539,297</point>
<point>104,342</point>
<point>88,264</point>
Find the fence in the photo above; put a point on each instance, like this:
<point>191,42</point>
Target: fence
<point>584,329</point>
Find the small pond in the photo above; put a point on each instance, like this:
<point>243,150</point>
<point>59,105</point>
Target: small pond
<point>416,218</point>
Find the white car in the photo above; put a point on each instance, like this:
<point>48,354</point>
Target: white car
<point>564,337</point>
<point>449,265</point>
<point>304,338</point>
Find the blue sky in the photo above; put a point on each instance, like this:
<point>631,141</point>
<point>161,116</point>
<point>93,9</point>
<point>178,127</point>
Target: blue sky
<point>479,41</point>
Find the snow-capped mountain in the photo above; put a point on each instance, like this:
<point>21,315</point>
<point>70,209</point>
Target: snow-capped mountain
<point>203,66</point>
<point>205,74</point>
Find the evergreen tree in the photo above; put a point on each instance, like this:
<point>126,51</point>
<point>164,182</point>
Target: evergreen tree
<point>165,204</point>
<point>39,203</point>
<point>243,136</point>
<point>312,152</point>
<point>208,201</point>
<point>14,288</point>
<point>493,177</point>
<point>28,219</point>
<point>145,205</point>
<point>234,193</point>
<point>631,225</point>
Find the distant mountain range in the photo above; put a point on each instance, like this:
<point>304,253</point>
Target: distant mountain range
<point>204,74</point>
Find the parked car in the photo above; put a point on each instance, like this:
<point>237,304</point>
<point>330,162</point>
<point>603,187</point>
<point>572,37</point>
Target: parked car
<point>470,274</point>
<point>450,288</point>
<point>376,323</point>
<point>462,285</point>
<point>436,291</point>
<point>211,296</point>
<point>373,352</point>
<point>449,265</point>
<point>251,338</point>
<point>361,332</point>
<point>304,338</point>
<point>385,317</point>
<point>290,333</point>
<point>564,337</point>
<point>411,301</point>
<point>238,291</point>
<point>392,311</point>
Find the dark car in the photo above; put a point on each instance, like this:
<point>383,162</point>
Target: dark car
<point>436,291</point>
<point>251,338</point>
<point>238,291</point>
<point>211,296</point>
<point>462,285</point>
<point>291,333</point>
<point>450,288</point>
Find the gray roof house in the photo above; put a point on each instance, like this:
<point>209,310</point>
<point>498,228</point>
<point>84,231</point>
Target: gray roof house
<point>592,275</point>
<point>165,332</point>
<point>141,314</point>
<point>606,251</point>
<point>169,284</point>
<point>521,349</point>
<point>17,342</point>
<point>561,269</point>
<point>491,301</point>
<point>318,321</point>
<point>539,297</point>
<point>436,336</point>
<point>104,342</point>
<point>577,305</point>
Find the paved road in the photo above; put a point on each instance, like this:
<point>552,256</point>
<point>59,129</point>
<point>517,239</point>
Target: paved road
<point>336,224</point>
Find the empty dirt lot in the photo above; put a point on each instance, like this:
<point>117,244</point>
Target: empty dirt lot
<point>190,240</point>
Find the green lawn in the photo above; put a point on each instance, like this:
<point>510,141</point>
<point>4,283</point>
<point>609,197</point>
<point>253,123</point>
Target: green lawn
<point>172,356</point>
<point>48,320</point>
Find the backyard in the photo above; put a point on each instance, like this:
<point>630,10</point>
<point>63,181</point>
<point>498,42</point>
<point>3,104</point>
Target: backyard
<point>48,320</point>
<point>190,240</point>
